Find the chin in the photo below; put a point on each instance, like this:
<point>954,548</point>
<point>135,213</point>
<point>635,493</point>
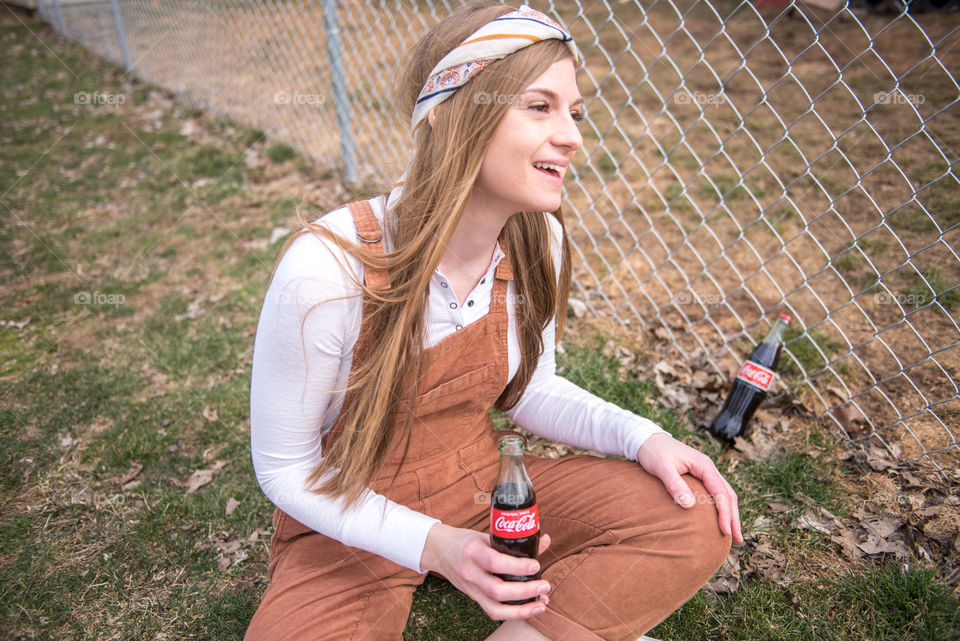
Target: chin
<point>544,204</point>
<point>552,205</point>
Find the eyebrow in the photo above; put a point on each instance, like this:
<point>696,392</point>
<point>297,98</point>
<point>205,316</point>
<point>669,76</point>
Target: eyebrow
<point>553,95</point>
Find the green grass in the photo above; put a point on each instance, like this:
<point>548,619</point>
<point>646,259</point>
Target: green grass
<point>608,162</point>
<point>676,201</point>
<point>280,152</point>
<point>928,285</point>
<point>783,217</point>
<point>586,365</point>
<point>725,187</point>
<point>441,612</point>
<point>854,266</point>
<point>812,350</point>
<point>793,474</point>
<point>883,601</point>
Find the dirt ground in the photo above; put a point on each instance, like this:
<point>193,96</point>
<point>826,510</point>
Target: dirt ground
<point>734,165</point>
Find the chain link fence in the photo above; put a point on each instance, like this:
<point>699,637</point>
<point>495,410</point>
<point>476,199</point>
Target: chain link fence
<point>740,159</point>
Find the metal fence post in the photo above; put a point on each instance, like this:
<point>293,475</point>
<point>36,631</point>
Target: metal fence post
<point>61,27</point>
<point>338,77</point>
<point>121,34</point>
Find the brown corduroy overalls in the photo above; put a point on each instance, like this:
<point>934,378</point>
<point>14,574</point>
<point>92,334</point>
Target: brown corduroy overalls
<point>623,556</point>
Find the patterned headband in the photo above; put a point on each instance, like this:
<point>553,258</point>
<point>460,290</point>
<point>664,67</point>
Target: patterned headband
<point>497,39</point>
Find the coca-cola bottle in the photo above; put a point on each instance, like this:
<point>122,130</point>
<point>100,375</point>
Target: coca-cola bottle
<point>514,520</point>
<point>751,384</point>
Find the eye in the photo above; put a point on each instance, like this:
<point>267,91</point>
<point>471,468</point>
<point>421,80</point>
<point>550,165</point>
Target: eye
<point>578,116</point>
<point>540,107</point>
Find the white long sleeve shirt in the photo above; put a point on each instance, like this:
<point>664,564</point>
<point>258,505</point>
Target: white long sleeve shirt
<point>294,397</point>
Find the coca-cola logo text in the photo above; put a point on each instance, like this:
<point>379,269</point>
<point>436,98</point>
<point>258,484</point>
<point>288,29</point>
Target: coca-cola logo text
<point>756,374</point>
<point>514,524</point>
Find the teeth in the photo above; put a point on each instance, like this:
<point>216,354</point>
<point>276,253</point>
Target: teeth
<point>546,165</point>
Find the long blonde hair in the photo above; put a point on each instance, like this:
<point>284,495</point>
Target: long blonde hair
<point>446,163</point>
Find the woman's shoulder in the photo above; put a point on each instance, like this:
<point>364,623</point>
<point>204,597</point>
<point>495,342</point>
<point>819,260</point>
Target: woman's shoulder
<point>315,256</point>
<point>339,221</point>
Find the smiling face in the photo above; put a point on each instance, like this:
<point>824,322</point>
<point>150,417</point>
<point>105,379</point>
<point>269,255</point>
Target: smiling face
<point>532,146</point>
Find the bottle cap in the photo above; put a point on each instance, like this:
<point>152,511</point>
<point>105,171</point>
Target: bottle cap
<point>785,317</point>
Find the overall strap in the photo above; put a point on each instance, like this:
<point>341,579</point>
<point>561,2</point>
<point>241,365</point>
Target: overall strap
<point>502,277</point>
<point>369,233</point>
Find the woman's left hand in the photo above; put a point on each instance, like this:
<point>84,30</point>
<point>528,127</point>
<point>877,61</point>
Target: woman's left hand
<point>667,458</point>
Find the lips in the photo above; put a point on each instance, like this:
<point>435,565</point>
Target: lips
<point>554,169</point>
<point>550,172</point>
<point>551,176</point>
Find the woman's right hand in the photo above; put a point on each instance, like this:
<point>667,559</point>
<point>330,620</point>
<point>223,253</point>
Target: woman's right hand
<point>466,559</point>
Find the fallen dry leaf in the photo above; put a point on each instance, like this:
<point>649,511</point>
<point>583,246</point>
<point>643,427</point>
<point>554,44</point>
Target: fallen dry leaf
<point>256,534</point>
<point>202,477</point>
<point>757,446</point>
<point>101,424</point>
<point>875,545</point>
<point>228,547</point>
<point>727,578</point>
<point>674,397</point>
<point>198,479</point>
<point>766,563</point>
<point>210,413</point>
<point>135,469</point>
<point>812,521</point>
<point>232,505</point>
<point>852,420</point>
<point>879,525</point>
<point>663,334</point>
<point>940,528</point>
<point>703,380</point>
<point>848,544</point>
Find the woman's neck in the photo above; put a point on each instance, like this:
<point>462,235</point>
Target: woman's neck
<point>471,247</point>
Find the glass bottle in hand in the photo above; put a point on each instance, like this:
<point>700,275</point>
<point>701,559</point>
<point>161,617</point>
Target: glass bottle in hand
<point>514,520</point>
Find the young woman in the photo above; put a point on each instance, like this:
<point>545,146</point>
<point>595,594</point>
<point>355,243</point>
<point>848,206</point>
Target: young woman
<point>391,327</point>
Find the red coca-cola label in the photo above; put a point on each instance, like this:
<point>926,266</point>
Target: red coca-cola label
<point>756,374</point>
<point>514,524</point>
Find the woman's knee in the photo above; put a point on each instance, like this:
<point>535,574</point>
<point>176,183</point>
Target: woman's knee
<point>710,545</point>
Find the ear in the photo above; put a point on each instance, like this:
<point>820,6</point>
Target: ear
<point>432,116</point>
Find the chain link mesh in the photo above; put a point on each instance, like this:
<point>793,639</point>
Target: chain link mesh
<point>739,159</point>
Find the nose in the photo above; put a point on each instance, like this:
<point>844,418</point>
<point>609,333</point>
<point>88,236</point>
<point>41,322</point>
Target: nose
<point>567,134</point>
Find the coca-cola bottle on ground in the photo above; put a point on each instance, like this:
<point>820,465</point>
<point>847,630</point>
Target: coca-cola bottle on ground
<point>514,520</point>
<point>751,384</point>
